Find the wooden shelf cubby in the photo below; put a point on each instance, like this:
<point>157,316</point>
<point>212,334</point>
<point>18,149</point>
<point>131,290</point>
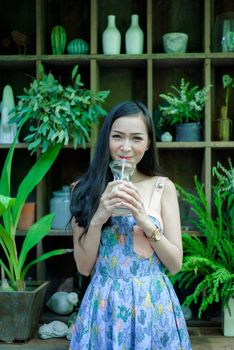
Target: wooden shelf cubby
<point>141,77</point>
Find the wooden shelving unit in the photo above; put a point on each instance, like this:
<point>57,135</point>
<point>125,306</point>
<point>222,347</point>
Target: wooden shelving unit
<point>141,77</point>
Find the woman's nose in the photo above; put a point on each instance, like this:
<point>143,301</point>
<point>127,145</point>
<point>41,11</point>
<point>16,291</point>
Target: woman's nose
<point>126,146</point>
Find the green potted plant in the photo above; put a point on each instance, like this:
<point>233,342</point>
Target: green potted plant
<point>57,116</point>
<point>208,259</point>
<point>224,123</point>
<point>57,113</point>
<point>21,304</point>
<point>184,109</point>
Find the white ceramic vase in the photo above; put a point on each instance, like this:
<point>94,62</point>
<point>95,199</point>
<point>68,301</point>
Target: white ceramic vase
<point>7,131</point>
<point>134,37</point>
<point>111,38</point>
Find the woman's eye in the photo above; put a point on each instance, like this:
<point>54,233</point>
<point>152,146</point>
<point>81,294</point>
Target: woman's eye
<point>137,138</point>
<point>116,136</point>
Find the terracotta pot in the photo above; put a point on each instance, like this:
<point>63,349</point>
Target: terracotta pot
<point>27,216</point>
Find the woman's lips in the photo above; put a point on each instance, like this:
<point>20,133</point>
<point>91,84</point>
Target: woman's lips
<point>125,157</point>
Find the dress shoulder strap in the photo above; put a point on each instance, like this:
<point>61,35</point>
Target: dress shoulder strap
<point>159,183</point>
<point>157,191</point>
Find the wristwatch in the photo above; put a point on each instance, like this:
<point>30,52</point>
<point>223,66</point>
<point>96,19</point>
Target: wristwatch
<point>156,235</point>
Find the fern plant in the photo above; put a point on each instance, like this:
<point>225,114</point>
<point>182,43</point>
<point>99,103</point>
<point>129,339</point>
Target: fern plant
<point>184,104</point>
<point>209,259</point>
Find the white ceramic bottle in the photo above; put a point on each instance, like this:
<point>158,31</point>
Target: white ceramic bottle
<point>134,37</point>
<point>111,38</point>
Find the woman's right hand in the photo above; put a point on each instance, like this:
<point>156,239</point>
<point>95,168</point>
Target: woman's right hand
<point>108,202</point>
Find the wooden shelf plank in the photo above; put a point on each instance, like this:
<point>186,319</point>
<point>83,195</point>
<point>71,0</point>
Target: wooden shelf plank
<point>222,144</point>
<point>198,144</point>
<point>21,145</point>
<point>53,232</point>
<point>182,145</point>
<point>216,57</point>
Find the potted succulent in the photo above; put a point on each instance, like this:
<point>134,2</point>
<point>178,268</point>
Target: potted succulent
<point>57,113</point>
<point>21,304</point>
<point>208,259</point>
<point>224,123</point>
<point>184,108</point>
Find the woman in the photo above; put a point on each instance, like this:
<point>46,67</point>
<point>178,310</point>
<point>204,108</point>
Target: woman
<point>130,303</point>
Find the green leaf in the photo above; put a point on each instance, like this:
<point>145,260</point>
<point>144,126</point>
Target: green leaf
<point>6,270</point>
<point>8,246</point>
<point>78,79</point>
<point>74,71</point>
<point>34,235</point>
<point>6,203</point>
<point>34,144</point>
<point>5,179</point>
<point>34,176</point>
<point>41,69</point>
<point>43,257</point>
<point>227,80</point>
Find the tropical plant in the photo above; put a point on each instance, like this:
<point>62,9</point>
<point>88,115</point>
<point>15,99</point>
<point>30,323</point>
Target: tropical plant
<point>208,259</point>
<point>15,264</point>
<point>228,85</point>
<point>57,113</point>
<point>184,105</point>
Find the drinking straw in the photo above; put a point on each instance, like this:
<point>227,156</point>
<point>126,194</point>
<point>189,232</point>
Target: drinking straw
<point>122,170</point>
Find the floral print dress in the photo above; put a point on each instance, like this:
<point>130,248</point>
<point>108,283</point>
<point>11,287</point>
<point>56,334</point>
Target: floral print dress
<point>130,303</point>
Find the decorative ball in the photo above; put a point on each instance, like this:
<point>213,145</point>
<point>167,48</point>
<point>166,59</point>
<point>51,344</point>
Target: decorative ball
<point>77,46</point>
<point>166,137</point>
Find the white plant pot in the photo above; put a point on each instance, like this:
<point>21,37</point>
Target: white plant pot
<point>175,42</point>
<point>228,320</point>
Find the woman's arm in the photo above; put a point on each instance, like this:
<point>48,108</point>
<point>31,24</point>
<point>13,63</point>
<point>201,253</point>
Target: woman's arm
<point>86,248</point>
<point>169,248</point>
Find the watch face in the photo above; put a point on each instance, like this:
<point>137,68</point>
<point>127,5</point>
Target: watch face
<point>158,235</point>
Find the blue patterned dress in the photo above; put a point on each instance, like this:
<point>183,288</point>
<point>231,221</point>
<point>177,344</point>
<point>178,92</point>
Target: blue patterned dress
<point>130,303</point>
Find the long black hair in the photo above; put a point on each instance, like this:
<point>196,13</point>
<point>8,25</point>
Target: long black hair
<point>89,188</point>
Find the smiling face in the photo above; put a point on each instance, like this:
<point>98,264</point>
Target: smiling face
<point>128,138</point>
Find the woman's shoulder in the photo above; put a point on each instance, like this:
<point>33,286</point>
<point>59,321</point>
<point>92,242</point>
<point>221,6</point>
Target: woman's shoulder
<point>157,181</point>
<point>169,184</point>
<point>169,187</point>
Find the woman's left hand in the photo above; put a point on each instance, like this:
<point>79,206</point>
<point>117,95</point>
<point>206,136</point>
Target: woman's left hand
<point>132,200</point>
